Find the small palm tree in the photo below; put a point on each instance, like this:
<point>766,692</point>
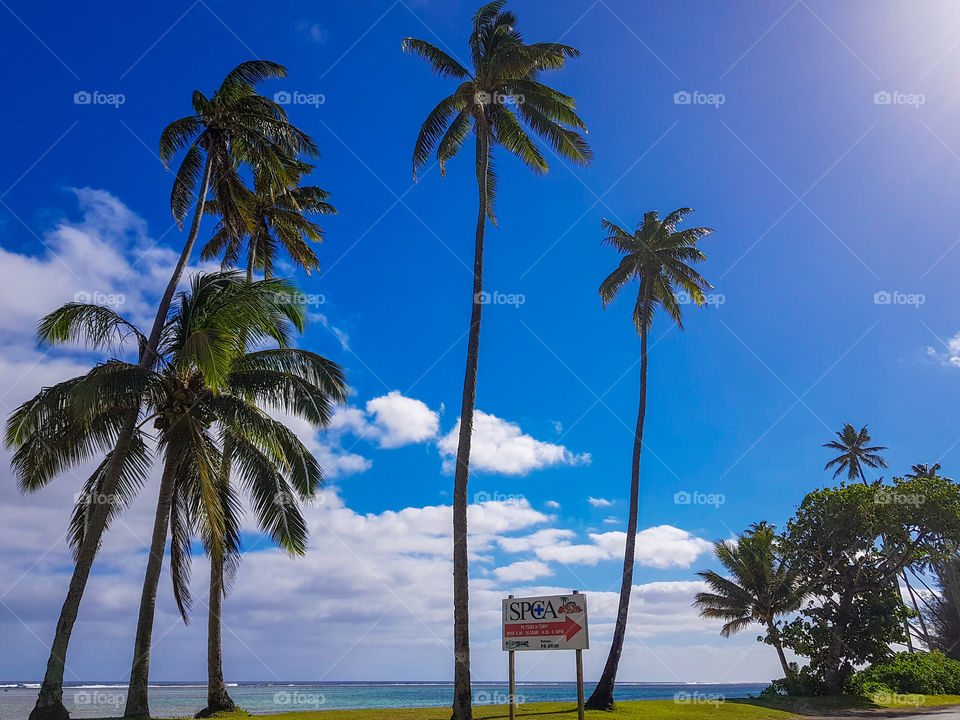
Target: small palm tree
<point>494,101</point>
<point>924,470</point>
<point>274,217</point>
<point>235,125</point>
<point>658,256</point>
<point>758,587</point>
<point>855,452</point>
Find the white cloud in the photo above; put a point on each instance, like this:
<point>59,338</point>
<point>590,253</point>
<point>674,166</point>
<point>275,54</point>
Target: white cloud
<point>552,504</point>
<point>662,546</point>
<point>541,538</point>
<point>500,446</point>
<point>599,502</point>
<point>950,354</point>
<point>402,420</point>
<point>522,570</point>
<point>107,257</point>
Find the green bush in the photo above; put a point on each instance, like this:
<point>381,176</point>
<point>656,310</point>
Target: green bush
<point>923,673</point>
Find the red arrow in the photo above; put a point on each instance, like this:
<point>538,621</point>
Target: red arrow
<point>571,627</point>
<point>568,628</point>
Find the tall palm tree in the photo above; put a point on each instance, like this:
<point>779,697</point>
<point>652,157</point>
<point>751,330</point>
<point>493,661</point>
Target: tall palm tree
<point>235,125</point>
<point>855,452</point>
<point>300,383</point>
<point>658,257</point>
<point>758,587</point>
<point>192,392</point>
<point>205,339</point>
<point>273,216</point>
<point>501,101</point>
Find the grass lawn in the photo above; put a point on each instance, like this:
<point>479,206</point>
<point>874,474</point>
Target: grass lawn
<point>638,710</point>
<point>734,709</point>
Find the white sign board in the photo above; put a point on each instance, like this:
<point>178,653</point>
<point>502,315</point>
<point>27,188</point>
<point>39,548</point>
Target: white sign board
<point>551,622</point>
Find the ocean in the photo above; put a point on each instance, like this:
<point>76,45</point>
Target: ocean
<point>98,700</point>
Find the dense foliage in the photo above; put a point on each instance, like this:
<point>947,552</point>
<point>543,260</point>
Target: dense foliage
<point>930,673</point>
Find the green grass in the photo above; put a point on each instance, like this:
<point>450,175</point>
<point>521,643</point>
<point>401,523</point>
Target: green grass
<point>637,710</point>
<point>773,708</point>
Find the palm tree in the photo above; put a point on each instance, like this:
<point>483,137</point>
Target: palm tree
<point>195,389</point>
<point>758,587</point>
<point>656,255</point>
<point>207,338</point>
<point>490,102</point>
<point>273,214</point>
<point>235,125</point>
<point>924,470</point>
<point>271,378</point>
<point>854,453</point>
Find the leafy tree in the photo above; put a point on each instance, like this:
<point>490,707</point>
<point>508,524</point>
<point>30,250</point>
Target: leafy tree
<point>658,257</point>
<point>854,453</point>
<point>848,544</point>
<point>758,587</point>
<point>234,126</point>
<point>501,101</point>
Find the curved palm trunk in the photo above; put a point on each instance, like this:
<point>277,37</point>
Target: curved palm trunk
<point>137,691</point>
<point>778,644</point>
<point>49,704</point>
<point>462,705</point>
<point>602,696</point>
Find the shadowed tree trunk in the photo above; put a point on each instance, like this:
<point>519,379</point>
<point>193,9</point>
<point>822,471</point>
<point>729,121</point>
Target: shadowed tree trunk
<point>462,701</point>
<point>49,704</point>
<point>602,696</point>
<point>137,706</point>
<point>218,699</point>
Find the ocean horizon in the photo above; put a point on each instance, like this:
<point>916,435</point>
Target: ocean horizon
<point>97,699</point>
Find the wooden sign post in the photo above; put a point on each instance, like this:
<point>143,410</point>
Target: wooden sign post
<point>513,684</point>
<point>579,678</point>
<point>550,622</point>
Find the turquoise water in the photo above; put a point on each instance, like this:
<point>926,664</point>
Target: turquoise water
<point>97,700</point>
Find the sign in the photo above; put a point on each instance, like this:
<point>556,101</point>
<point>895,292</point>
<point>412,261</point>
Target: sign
<point>552,622</point>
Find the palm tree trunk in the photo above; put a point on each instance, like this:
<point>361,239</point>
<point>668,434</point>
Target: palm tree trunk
<point>137,691</point>
<point>602,696</point>
<point>462,700</point>
<point>778,644</point>
<point>49,704</point>
<point>218,699</point>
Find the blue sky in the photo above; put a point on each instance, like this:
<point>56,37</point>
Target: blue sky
<point>821,194</point>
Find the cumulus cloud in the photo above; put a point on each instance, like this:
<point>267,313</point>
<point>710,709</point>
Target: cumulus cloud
<point>599,502</point>
<point>662,546</point>
<point>402,420</point>
<point>500,446</point>
<point>522,570</point>
<point>107,257</point>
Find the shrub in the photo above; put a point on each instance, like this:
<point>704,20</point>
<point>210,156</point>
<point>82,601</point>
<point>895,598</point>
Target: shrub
<point>930,673</point>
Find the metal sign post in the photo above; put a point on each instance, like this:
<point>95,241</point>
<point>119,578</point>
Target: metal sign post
<point>550,622</point>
